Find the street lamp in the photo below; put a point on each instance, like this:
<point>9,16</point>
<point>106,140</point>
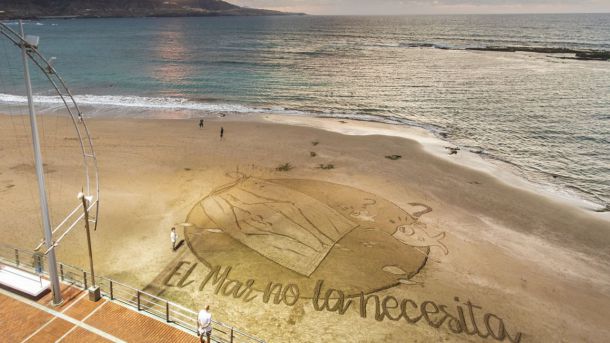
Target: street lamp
<point>94,291</point>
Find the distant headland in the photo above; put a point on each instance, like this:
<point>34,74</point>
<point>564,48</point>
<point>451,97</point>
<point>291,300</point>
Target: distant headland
<point>41,9</point>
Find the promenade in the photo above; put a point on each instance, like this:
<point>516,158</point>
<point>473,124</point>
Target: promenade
<point>80,320</point>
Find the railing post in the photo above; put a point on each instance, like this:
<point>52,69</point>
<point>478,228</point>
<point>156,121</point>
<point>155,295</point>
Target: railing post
<point>85,279</point>
<point>17,257</point>
<point>61,271</point>
<point>111,291</point>
<point>138,300</point>
<point>167,311</point>
<point>231,338</point>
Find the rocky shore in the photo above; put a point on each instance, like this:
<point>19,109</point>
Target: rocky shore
<point>598,55</point>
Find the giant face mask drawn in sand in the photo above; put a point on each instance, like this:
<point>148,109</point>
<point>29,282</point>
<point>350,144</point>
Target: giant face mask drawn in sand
<point>300,231</point>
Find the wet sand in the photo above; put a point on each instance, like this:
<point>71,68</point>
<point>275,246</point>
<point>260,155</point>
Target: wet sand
<point>414,233</point>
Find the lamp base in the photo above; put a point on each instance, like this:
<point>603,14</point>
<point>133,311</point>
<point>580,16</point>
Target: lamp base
<point>95,293</point>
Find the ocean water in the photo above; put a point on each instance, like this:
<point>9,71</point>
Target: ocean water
<point>545,115</point>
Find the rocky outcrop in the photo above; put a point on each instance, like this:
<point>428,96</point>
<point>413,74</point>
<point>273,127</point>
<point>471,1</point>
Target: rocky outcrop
<point>36,9</point>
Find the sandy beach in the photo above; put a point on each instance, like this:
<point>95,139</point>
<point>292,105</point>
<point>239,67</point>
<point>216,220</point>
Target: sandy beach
<point>346,245</point>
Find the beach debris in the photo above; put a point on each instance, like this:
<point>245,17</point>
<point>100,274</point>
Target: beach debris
<point>393,157</point>
<point>285,167</point>
<point>314,143</point>
<point>313,154</point>
<point>326,166</point>
<point>452,150</point>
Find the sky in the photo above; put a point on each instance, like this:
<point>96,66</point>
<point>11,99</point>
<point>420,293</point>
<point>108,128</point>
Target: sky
<point>380,7</point>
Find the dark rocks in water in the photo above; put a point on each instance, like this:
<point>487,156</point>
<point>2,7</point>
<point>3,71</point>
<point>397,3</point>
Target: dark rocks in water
<point>443,134</point>
<point>452,150</point>
<point>393,157</point>
<point>593,55</point>
<point>544,50</point>
<point>596,55</point>
<point>604,209</point>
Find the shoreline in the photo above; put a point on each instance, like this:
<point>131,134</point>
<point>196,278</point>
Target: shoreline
<point>438,147</point>
<point>427,135</point>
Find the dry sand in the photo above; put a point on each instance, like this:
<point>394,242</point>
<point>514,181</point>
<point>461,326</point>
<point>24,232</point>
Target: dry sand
<point>370,225</point>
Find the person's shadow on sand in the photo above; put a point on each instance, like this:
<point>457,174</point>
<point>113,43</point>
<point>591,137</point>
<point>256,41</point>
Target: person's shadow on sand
<point>179,245</point>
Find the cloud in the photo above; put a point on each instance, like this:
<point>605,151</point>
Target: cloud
<point>430,6</point>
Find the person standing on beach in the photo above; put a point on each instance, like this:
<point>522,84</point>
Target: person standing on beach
<point>201,123</point>
<point>174,237</point>
<point>222,132</point>
<point>37,262</point>
<point>204,324</point>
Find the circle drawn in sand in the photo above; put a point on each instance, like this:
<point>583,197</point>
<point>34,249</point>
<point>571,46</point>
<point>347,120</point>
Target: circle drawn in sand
<point>300,231</point>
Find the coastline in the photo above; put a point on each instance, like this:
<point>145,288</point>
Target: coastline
<point>117,107</point>
<point>439,148</point>
<point>510,251</point>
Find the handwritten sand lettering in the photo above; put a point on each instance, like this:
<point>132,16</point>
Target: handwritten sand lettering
<point>289,294</point>
<point>462,320</point>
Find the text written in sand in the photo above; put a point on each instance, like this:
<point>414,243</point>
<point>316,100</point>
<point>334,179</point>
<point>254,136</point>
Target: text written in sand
<point>459,318</point>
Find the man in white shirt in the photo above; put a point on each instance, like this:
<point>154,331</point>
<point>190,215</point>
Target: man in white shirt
<point>174,237</point>
<point>204,324</point>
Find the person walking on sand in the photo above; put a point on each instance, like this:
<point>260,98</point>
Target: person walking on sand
<point>174,237</point>
<point>204,324</point>
<point>201,123</point>
<point>222,132</point>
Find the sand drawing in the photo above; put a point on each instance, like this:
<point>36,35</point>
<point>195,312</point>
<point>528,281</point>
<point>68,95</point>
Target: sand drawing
<point>295,231</point>
<point>416,236</point>
<point>288,227</point>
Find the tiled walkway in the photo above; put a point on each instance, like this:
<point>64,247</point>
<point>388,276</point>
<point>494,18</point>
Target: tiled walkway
<point>79,320</point>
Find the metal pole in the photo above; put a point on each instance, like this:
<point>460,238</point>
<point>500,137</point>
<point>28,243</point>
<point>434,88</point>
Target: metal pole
<point>44,206</point>
<point>89,241</point>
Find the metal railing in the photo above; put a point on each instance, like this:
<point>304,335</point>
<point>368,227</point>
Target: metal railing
<point>24,259</point>
<point>125,294</point>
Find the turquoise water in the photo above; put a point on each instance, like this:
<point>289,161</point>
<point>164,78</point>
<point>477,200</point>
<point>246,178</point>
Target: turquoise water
<point>547,117</point>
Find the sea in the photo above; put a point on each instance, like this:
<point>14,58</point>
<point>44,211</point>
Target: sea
<point>546,116</point>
